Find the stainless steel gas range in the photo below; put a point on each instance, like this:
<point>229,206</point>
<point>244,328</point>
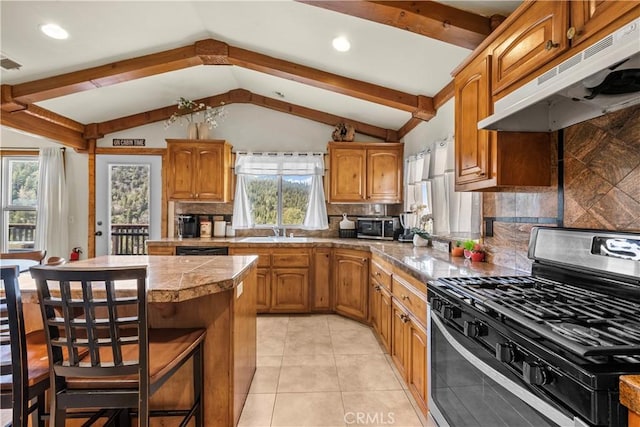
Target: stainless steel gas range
<point>539,350</point>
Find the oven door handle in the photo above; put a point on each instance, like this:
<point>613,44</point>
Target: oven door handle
<point>531,399</point>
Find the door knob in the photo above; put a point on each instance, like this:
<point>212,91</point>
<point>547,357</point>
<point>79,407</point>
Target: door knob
<point>550,45</point>
<point>98,233</point>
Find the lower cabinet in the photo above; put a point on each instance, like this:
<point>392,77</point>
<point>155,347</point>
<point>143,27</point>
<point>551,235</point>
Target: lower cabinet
<point>161,250</point>
<point>417,363</point>
<point>380,312</point>
<point>290,290</point>
<point>321,284</point>
<point>399,337</point>
<point>351,283</point>
<point>263,300</point>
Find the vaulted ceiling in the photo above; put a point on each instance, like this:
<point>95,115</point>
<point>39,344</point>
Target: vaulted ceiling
<point>126,63</point>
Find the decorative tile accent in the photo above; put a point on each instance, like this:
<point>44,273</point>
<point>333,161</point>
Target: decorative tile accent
<point>613,161</point>
<point>616,210</point>
<point>631,184</point>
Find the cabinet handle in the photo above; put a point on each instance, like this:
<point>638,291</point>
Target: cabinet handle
<point>364,260</point>
<point>404,318</point>
<point>572,32</point>
<point>377,273</point>
<point>404,297</point>
<point>550,45</point>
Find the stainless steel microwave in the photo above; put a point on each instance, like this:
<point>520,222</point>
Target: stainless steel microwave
<point>379,228</point>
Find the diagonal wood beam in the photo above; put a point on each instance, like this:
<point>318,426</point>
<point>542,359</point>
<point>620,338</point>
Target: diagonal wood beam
<point>206,52</point>
<point>427,18</point>
<point>243,97</point>
<point>440,98</point>
<point>39,124</point>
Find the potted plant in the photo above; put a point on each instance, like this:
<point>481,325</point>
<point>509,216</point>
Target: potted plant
<point>457,250</point>
<point>473,251</point>
<point>420,237</point>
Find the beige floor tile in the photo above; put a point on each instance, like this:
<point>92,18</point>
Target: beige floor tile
<point>355,342</point>
<point>395,371</point>
<point>273,361</point>
<point>305,343</point>
<point>339,323</point>
<point>424,420</point>
<point>308,409</point>
<point>270,346</point>
<point>308,379</point>
<point>309,360</point>
<point>312,324</point>
<point>365,372</point>
<point>257,411</point>
<point>379,408</point>
<point>265,380</point>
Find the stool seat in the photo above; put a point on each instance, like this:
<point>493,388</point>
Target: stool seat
<point>38,361</point>
<point>166,348</point>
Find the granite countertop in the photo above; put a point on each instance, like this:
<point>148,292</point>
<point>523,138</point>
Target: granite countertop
<point>424,263</point>
<point>630,392</point>
<point>170,278</point>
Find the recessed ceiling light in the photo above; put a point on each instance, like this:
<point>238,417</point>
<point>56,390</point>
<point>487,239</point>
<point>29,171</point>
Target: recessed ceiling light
<point>341,44</point>
<point>54,31</point>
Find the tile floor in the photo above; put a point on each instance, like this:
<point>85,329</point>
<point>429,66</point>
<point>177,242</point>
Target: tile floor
<point>325,370</point>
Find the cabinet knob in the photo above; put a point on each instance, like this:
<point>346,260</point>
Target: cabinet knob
<point>550,45</point>
<point>404,318</point>
<point>404,297</point>
<point>572,32</point>
<point>377,273</point>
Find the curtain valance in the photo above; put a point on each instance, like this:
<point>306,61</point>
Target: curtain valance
<point>279,164</point>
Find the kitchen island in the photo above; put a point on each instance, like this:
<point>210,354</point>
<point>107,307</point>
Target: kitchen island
<point>212,292</point>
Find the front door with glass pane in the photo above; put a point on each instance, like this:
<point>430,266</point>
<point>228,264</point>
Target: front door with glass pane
<point>128,203</point>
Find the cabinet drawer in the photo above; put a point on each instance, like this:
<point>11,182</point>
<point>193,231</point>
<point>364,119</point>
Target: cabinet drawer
<point>291,259</point>
<point>411,298</point>
<point>381,274</point>
<point>161,250</point>
<point>263,255</point>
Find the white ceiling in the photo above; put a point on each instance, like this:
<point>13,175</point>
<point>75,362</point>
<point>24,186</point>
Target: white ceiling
<point>106,31</point>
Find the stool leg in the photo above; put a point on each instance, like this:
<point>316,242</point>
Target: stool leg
<point>39,412</point>
<point>198,383</point>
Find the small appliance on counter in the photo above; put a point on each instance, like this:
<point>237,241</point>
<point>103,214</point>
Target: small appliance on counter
<point>405,220</point>
<point>347,227</point>
<point>205,227</point>
<point>378,228</point>
<point>187,226</point>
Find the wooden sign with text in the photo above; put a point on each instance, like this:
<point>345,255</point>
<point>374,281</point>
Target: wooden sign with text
<point>128,142</point>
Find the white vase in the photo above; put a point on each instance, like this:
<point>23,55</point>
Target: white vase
<point>203,131</point>
<point>419,241</point>
<point>192,131</point>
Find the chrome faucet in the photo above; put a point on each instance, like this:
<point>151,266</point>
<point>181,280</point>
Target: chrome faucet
<point>276,231</point>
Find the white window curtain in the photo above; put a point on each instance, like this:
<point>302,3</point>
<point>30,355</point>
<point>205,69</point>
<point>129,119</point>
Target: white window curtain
<point>52,228</point>
<point>310,164</point>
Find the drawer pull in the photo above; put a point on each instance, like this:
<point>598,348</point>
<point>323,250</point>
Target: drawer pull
<point>404,297</point>
<point>404,318</point>
<point>551,45</point>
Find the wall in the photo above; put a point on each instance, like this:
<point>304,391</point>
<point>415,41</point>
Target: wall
<point>601,188</point>
<point>427,132</point>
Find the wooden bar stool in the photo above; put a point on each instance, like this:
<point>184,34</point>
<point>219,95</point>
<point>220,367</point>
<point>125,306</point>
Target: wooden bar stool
<point>124,362</point>
<point>23,357</point>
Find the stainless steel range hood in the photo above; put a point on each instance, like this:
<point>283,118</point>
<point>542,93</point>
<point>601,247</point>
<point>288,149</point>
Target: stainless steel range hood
<point>560,97</point>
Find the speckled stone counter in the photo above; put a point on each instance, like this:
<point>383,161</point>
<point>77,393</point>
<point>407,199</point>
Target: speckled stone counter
<point>422,263</point>
<point>630,393</point>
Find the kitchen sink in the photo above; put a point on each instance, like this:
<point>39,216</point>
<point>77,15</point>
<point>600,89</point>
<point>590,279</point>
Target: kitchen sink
<point>274,239</point>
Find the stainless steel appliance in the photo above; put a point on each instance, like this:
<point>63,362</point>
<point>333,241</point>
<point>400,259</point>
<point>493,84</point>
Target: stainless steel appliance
<point>545,349</point>
<point>379,228</point>
<point>202,250</point>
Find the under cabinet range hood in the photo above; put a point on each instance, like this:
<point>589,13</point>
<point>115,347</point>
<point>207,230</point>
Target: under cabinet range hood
<point>602,78</point>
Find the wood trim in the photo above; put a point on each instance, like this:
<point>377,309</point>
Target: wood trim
<point>127,151</point>
<point>164,211</point>
<point>445,94</point>
<point>408,127</point>
<point>6,153</point>
<point>427,18</point>
<point>91,225</point>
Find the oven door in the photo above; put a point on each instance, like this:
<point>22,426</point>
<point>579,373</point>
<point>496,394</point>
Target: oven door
<point>468,388</point>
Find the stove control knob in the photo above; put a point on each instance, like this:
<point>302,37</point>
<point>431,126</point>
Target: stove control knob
<point>535,374</point>
<point>505,353</point>
<point>474,329</point>
<point>436,304</point>
<point>450,312</point>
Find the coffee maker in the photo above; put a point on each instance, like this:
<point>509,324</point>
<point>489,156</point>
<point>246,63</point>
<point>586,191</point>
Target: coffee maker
<point>187,226</point>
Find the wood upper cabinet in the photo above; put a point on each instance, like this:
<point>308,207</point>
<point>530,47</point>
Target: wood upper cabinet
<point>590,16</point>
<point>199,170</point>
<point>472,104</point>
<point>486,160</point>
<point>365,172</point>
<point>536,37</point>
<point>351,283</point>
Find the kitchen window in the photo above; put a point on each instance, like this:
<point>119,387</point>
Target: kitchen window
<point>279,190</point>
<point>19,202</point>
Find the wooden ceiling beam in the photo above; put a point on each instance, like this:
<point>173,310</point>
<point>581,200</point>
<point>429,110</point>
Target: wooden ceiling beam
<point>41,126</point>
<point>445,94</point>
<point>427,18</point>
<point>239,96</point>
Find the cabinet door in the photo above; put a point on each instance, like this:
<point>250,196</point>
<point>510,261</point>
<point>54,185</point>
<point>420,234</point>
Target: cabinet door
<point>384,175</point>
<point>374,305</point>
<point>417,366</point>
<point>351,283</point>
<point>321,286</point>
<point>182,166</point>
<point>263,298</point>
<point>590,16</point>
<point>385,311</point>
<point>533,39</point>
<point>472,103</point>
<point>399,337</point>
<point>210,176</point>
<point>290,290</point>
<point>348,174</point>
